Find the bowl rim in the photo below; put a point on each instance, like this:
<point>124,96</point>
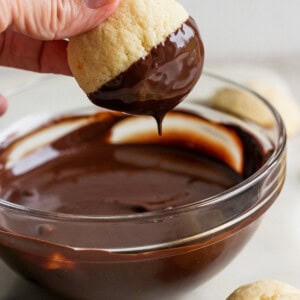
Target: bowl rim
<point>241,187</point>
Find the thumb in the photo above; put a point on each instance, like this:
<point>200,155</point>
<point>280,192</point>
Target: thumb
<point>55,19</point>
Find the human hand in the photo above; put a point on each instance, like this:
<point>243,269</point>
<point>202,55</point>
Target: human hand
<point>32,32</point>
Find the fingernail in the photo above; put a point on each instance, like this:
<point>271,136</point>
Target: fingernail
<point>95,3</point>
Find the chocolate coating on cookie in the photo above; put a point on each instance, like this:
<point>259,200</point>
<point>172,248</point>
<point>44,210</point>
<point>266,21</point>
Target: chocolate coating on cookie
<point>158,82</point>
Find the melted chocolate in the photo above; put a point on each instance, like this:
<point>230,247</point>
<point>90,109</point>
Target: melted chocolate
<point>91,176</point>
<point>84,173</point>
<point>155,84</point>
<point>115,180</point>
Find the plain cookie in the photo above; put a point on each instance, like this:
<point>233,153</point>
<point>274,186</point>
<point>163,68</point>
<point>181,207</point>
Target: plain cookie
<point>241,103</point>
<point>288,297</point>
<point>266,290</point>
<point>283,101</point>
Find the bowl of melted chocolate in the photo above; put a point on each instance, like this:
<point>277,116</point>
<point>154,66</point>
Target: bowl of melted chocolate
<point>96,205</point>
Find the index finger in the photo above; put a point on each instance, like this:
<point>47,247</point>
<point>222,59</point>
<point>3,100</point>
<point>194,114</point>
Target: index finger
<point>20,51</point>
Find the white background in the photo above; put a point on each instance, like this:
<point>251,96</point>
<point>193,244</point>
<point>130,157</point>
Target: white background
<point>247,28</point>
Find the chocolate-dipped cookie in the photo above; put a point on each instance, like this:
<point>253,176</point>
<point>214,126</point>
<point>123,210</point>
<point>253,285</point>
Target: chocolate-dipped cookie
<point>144,59</point>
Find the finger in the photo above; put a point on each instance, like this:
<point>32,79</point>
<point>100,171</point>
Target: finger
<point>56,19</point>
<point>20,51</point>
<point>3,105</point>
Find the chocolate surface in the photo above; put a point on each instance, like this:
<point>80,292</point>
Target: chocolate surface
<point>91,176</point>
<point>114,180</point>
<point>158,82</point>
<point>84,173</point>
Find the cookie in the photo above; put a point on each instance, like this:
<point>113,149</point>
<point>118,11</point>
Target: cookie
<point>144,59</point>
<point>288,297</point>
<point>283,101</point>
<point>244,104</point>
<point>266,290</point>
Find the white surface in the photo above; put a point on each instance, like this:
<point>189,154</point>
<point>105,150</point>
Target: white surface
<point>273,253</point>
<point>255,28</point>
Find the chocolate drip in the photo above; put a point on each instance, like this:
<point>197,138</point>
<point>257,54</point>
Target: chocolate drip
<point>155,84</point>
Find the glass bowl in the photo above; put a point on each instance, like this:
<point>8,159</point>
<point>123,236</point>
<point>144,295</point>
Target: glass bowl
<point>120,259</point>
